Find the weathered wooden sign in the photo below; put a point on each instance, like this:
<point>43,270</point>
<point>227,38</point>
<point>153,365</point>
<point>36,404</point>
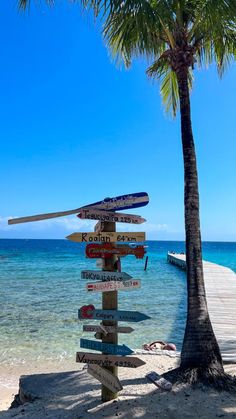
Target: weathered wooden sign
<point>117,217</point>
<point>107,329</point>
<point>109,348</point>
<point>106,250</point>
<point>105,377</point>
<point>89,312</point>
<point>113,286</point>
<point>105,276</point>
<point>106,237</point>
<point>122,202</point>
<point>109,360</point>
<point>159,380</point>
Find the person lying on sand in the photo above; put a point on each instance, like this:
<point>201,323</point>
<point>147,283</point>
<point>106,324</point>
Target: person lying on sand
<point>159,344</point>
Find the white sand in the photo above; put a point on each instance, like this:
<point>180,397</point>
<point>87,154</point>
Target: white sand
<point>77,395</point>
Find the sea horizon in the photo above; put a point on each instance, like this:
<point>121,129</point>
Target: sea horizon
<point>150,240</point>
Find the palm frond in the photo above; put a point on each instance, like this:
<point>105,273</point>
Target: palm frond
<point>169,91</point>
<point>203,30</point>
<point>24,4</point>
<point>161,71</point>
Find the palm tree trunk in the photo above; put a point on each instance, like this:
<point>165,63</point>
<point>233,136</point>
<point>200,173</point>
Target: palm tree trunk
<point>200,348</point>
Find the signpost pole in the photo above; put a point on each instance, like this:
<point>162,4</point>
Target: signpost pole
<point>109,302</point>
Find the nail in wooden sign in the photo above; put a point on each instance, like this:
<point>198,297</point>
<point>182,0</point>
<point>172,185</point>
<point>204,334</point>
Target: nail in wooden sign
<point>113,286</point>
<point>106,250</point>
<point>110,348</point>
<point>107,329</point>
<point>106,237</point>
<point>89,312</point>
<point>105,276</point>
<point>105,377</point>
<point>94,214</point>
<point>109,360</point>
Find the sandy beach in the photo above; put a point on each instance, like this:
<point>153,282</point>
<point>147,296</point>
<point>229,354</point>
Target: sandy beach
<point>72,393</point>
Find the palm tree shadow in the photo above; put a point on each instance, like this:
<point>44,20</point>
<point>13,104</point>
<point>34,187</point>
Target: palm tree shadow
<point>76,394</point>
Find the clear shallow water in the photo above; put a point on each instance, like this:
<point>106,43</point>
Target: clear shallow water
<point>41,291</point>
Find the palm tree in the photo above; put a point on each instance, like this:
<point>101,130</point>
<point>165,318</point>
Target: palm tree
<point>177,35</point>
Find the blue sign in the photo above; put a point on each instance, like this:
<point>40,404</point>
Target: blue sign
<point>122,202</point>
<point>89,312</point>
<point>109,348</point>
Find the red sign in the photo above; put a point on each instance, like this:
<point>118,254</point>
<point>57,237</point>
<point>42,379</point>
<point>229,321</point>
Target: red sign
<point>86,312</point>
<point>106,250</point>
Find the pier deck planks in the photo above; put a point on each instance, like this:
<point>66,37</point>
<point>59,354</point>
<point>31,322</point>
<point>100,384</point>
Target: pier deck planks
<point>220,285</point>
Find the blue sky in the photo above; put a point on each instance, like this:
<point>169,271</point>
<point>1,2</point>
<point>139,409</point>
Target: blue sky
<point>74,129</point>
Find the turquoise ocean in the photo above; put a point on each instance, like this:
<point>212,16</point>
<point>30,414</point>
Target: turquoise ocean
<point>41,292</point>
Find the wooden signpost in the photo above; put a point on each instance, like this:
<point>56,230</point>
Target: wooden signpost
<point>105,276</point>
<point>117,217</point>
<point>109,360</point>
<point>131,284</point>
<point>107,237</point>
<point>102,245</point>
<point>106,250</point>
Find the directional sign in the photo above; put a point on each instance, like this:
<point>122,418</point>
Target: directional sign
<point>105,276</point>
<point>109,348</point>
<point>105,377</point>
<point>107,329</point>
<point>89,312</point>
<point>122,202</point>
<point>117,217</point>
<point>106,237</point>
<point>106,250</point>
<point>113,286</point>
<point>109,360</point>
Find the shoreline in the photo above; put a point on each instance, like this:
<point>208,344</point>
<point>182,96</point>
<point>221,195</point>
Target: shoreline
<point>81,397</point>
<point>10,374</point>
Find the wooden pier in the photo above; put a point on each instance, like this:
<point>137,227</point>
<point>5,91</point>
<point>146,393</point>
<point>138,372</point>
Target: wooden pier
<point>220,285</point>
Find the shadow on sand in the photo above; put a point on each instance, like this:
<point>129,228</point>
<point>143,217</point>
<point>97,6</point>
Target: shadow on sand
<point>75,394</point>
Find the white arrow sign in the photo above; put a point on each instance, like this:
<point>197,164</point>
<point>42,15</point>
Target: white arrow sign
<point>107,329</point>
<point>113,285</point>
<point>105,377</point>
<point>117,217</point>
<point>105,276</point>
